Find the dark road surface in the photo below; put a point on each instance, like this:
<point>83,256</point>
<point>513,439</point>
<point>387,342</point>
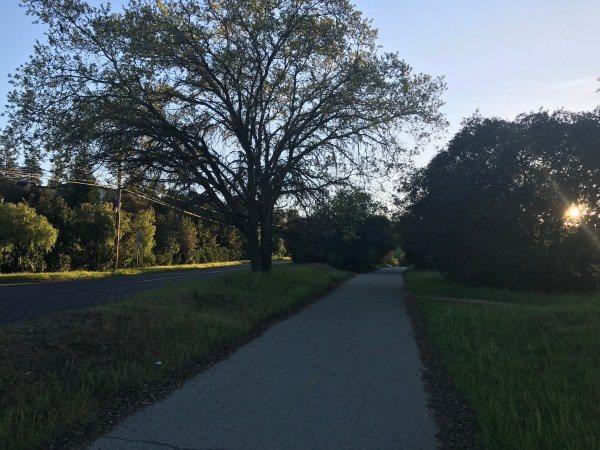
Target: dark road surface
<point>24,301</point>
<point>343,373</point>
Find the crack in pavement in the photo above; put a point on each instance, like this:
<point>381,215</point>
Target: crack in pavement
<point>162,444</point>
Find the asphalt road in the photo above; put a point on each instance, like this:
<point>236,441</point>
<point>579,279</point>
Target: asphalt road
<point>342,374</point>
<point>24,301</point>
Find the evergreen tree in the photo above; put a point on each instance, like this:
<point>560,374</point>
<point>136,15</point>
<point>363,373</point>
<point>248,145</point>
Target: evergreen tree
<point>81,170</point>
<point>8,164</point>
<point>32,165</point>
<point>59,171</point>
<point>8,157</point>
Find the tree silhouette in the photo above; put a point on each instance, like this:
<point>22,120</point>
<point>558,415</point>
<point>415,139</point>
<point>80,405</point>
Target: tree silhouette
<point>491,207</point>
<point>244,101</point>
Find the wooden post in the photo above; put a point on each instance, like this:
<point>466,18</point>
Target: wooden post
<point>118,219</point>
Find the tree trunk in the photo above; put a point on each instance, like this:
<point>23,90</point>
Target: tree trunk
<point>260,244</point>
<point>266,243</point>
<point>254,251</point>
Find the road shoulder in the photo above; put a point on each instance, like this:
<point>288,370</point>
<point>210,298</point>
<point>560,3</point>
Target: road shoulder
<point>454,418</point>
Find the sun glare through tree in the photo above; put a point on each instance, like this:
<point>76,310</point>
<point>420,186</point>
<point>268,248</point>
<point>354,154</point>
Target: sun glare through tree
<point>573,215</point>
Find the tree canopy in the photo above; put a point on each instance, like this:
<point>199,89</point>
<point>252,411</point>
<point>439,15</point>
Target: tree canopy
<point>245,102</point>
<point>346,231</point>
<point>491,207</point>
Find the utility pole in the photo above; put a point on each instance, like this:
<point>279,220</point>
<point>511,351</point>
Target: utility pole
<point>118,218</point>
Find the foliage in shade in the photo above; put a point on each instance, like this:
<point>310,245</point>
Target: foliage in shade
<point>490,208</point>
<point>93,234</point>
<point>345,231</point>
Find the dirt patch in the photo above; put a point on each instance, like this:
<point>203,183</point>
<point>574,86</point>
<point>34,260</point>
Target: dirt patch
<point>455,420</point>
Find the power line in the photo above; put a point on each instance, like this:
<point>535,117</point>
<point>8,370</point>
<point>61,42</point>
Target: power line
<point>43,175</point>
<point>95,183</point>
<point>168,205</point>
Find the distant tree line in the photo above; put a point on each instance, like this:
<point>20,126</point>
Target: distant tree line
<point>510,203</point>
<point>68,226</point>
<point>73,227</point>
<point>347,231</point>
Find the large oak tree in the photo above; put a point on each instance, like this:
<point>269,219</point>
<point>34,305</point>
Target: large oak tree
<point>244,101</point>
<point>491,207</point>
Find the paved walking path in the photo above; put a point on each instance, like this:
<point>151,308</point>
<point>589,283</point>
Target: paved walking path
<point>342,374</point>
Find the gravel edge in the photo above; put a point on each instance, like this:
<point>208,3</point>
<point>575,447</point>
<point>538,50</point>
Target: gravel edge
<point>456,422</point>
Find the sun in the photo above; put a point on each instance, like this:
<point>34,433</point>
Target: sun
<point>574,215</point>
<point>574,212</point>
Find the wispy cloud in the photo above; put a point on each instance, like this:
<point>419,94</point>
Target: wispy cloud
<point>576,83</point>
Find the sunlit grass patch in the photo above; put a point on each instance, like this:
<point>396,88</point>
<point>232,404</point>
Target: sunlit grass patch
<point>27,277</point>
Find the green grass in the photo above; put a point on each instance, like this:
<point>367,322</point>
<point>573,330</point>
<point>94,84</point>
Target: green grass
<point>434,284</point>
<point>28,277</point>
<point>530,373</point>
<point>59,371</point>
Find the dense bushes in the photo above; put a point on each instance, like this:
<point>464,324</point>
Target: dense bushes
<point>345,231</point>
<point>44,231</point>
<point>25,238</point>
<point>491,207</point>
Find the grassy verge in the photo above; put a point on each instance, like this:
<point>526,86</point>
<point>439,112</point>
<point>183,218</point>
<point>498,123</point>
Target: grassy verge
<point>530,374</point>
<point>434,284</point>
<point>27,277</point>
<point>59,371</point>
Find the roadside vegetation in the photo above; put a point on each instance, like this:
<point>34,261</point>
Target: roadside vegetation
<point>70,228</point>
<point>59,371</point>
<point>528,371</point>
<point>347,230</point>
<point>32,277</point>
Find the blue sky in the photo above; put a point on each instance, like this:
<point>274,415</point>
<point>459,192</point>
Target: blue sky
<point>501,57</point>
